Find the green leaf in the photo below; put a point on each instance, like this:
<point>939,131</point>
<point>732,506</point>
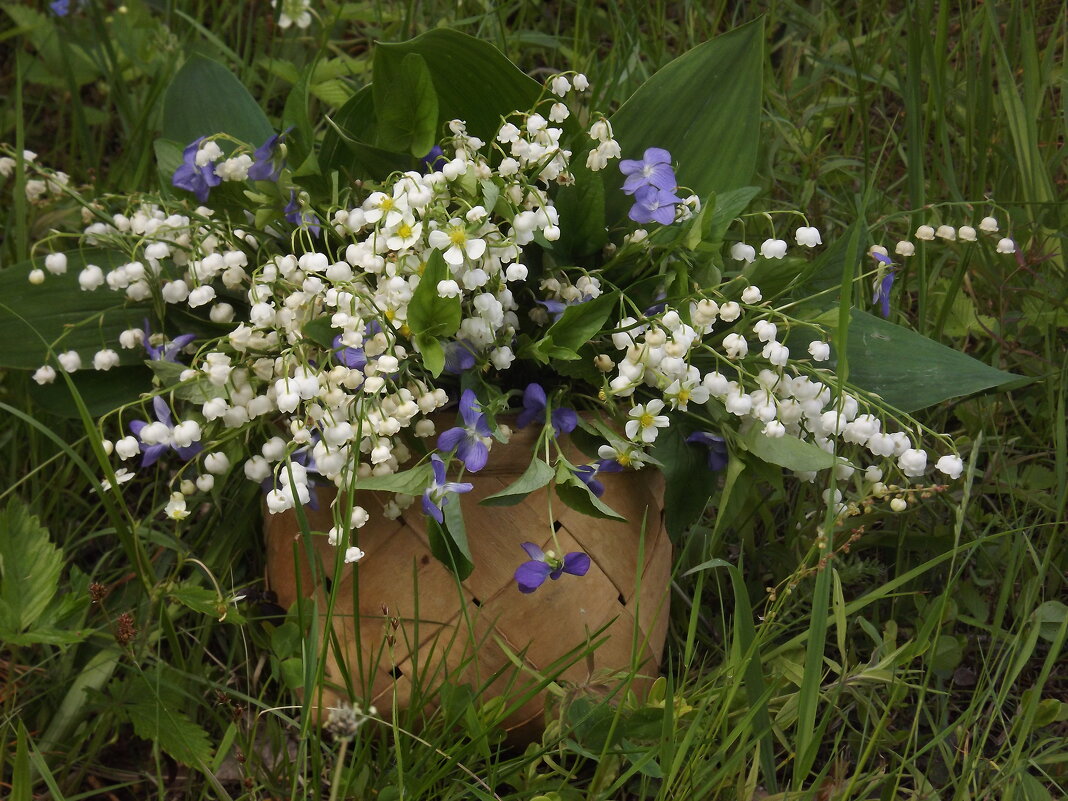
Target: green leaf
<point>582,205</point>
<point>789,452</point>
<point>704,109</point>
<point>688,483</point>
<point>536,476</point>
<point>174,732</point>
<point>102,392</point>
<point>433,353</point>
<point>910,371</point>
<point>199,390</point>
<point>448,540</point>
<point>406,105</point>
<point>473,80</point>
<point>428,312</point>
<point>320,331</point>
<point>581,322</point>
<point>31,317</point>
<point>199,599</point>
<point>205,98</point>
<point>407,482</point>
<point>29,569</point>
<point>301,139</point>
<point>578,496</point>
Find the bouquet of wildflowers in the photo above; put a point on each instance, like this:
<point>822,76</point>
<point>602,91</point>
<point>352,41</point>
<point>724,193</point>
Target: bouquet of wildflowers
<point>377,310</point>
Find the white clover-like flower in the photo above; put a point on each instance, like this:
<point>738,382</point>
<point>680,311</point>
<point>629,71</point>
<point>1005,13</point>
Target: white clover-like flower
<point>808,236</point>
<point>988,225</point>
<point>743,252</point>
<point>175,508</point>
<point>926,233</point>
<point>773,248</point>
<point>905,248</point>
<point>1006,245</point>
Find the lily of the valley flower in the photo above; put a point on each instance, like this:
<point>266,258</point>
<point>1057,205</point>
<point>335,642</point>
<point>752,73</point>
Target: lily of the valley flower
<point>435,496</point>
<point>162,435</point>
<point>471,441</point>
<point>542,565</point>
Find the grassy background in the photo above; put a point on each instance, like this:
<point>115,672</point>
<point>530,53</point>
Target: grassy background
<point>943,631</point>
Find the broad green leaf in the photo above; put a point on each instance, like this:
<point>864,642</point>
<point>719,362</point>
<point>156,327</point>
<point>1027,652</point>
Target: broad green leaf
<point>688,483</point>
<point>433,353</point>
<point>789,452</point>
<point>102,392</point>
<point>29,569</point>
<point>728,205</point>
<point>301,139</point>
<point>428,312</point>
<point>910,371</point>
<point>473,80</point>
<point>582,206</point>
<point>31,317</point>
<point>406,106</point>
<point>536,476</point>
<point>448,541</point>
<point>581,321</point>
<point>407,482</point>
<point>577,495</point>
<point>704,109</point>
<point>205,98</point>
<point>199,390</point>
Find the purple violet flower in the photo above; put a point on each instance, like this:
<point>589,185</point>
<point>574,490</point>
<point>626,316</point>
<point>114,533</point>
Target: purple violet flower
<point>717,448</point>
<point>883,285</point>
<point>563,419</point>
<point>265,166</point>
<point>298,217</point>
<point>532,574</point>
<point>435,496</point>
<point>190,177</point>
<point>169,351</point>
<point>150,453</point>
<point>459,356</point>
<point>60,8</point>
<point>654,205</point>
<point>587,474</point>
<point>654,169</point>
<point>434,159</point>
<point>557,307</point>
<point>353,358</point>
<point>470,440</point>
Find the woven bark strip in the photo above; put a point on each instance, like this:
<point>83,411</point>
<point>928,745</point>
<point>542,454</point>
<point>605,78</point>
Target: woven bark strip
<point>403,621</point>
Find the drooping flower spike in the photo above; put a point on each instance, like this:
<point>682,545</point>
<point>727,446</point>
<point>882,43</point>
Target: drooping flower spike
<point>532,574</point>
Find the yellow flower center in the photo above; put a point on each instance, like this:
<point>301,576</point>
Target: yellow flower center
<point>623,459</point>
<point>386,203</point>
<point>646,420</point>
<point>458,236</point>
<point>390,314</point>
<point>404,231</point>
<point>683,396</point>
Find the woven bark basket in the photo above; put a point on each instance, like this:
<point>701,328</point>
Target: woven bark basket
<point>402,622</point>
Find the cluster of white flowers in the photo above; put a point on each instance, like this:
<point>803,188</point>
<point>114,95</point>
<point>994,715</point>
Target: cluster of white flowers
<point>41,185</point>
<point>762,385</point>
<point>947,233</point>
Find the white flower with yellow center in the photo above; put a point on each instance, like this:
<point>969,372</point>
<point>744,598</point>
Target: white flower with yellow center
<point>390,210</point>
<point>681,391</point>
<point>646,420</point>
<point>456,242</point>
<point>405,235</point>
